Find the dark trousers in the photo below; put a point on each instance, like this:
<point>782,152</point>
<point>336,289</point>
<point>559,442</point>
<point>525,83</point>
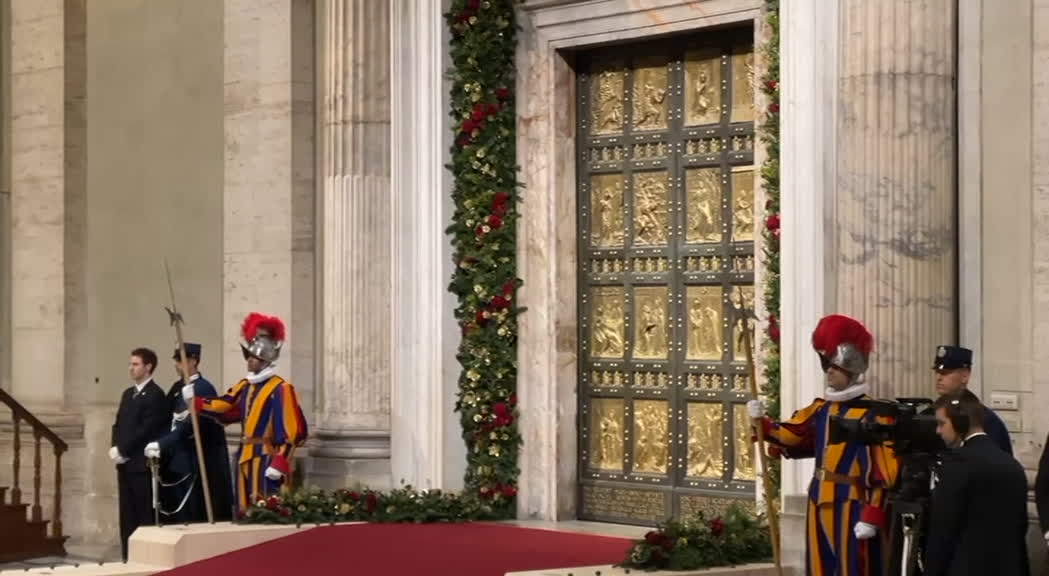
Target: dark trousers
<point>136,503</point>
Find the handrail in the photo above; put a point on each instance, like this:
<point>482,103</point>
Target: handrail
<point>38,426</point>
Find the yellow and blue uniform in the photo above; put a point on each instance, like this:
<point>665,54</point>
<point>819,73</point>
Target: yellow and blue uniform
<point>849,486</point>
<point>273,426</point>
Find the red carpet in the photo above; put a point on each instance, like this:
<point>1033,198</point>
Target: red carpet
<point>414,550</point>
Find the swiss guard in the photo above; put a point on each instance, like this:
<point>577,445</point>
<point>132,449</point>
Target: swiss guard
<point>267,408</point>
<point>181,496</point>
<point>847,495</point>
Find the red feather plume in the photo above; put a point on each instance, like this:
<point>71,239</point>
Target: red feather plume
<point>271,325</point>
<point>837,329</point>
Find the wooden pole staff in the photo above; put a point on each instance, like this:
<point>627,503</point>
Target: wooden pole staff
<point>745,316</point>
<point>176,321</point>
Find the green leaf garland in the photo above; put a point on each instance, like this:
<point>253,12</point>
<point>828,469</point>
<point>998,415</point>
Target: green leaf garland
<point>769,131</point>
<point>483,231</point>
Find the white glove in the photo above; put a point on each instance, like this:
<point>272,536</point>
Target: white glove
<point>755,408</point>
<point>114,455</point>
<point>273,474</point>
<point>187,393</point>
<point>1047,537</point>
<point>180,416</point>
<point>864,531</point>
<point>152,450</point>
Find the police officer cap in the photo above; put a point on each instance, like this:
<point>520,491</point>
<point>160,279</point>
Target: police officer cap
<point>192,351</point>
<point>952,358</point>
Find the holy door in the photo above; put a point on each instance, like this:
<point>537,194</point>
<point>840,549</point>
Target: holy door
<point>666,194</point>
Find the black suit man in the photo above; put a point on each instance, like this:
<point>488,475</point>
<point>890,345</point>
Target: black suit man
<point>978,515</point>
<point>143,417</point>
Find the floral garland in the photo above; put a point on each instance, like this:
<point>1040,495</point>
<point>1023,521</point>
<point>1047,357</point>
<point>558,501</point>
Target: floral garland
<point>735,539</point>
<point>483,231</point>
<point>769,131</point>
<point>315,506</point>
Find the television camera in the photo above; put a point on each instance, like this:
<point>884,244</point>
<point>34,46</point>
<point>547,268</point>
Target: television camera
<point>909,426</point>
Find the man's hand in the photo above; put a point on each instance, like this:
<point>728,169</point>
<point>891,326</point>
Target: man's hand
<point>114,455</point>
<point>755,408</point>
<point>187,393</point>
<point>273,474</point>
<point>1047,537</point>
<point>863,531</point>
<point>152,450</point>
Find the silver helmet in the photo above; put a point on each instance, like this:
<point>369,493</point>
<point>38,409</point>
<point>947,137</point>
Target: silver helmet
<point>843,342</point>
<point>263,337</point>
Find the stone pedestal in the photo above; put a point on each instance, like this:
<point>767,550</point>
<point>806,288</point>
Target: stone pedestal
<point>353,417</point>
<point>894,211</point>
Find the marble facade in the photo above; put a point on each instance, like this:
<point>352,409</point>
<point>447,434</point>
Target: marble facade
<point>312,175</point>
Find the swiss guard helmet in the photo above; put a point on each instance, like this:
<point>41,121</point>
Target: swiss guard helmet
<point>843,342</point>
<point>263,337</point>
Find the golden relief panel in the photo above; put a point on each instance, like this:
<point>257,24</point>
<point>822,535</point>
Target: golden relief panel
<point>653,380</point>
<point>741,383</point>
<point>606,434</point>
<point>743,204</point>
<point>711,507</point>
<point>651,436</point>
<point>650,98</point>
<point>606,207</point>
<point>651,329</point>
<point>624,503</point>
<point>703,264</point>
<point>650,208</point>
<point>703,146</point>
<point>607,265</point>
<point>706,458</point>
<point>703,382</point>
<point>704,322</point>
<point>651,264</point>
<point>703,186</point>
<point>607,154</point>
<point>651,150</point>
<point>607,324</point>
<point>607,94</point>
<point>607,379</point>
<point>744,465</point>
<point>743,87</point>
<point>739,353</point>
<point>702,88</point>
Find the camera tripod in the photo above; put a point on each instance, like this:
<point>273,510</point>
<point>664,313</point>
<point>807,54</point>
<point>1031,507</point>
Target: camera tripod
<point>905,537</point>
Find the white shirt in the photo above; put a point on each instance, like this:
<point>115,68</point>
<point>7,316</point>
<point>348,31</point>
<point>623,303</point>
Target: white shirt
<point>973,435</point>
<point>140,385</point>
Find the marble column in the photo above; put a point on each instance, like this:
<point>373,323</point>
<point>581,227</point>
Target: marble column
<point>353,425</point>
<point>37,203</point>
<point>268,198</point>
<point>894,211</point>
<point>5,195</point>
<point>427,446</point>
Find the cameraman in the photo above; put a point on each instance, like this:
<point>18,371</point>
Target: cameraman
<point>953,367</point>
<point>978,516</point>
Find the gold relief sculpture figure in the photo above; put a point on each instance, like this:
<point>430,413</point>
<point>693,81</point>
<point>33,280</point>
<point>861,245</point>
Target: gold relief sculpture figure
<point>650,208</point>
<point>743,204</point>
<point>743,76</point>
<point>607,333</point>
<point>650,436</point>
<point>607,116</point>
<point>650,322</point>
<point>606,199</point>
<point>704,323</point>
<point>744,464</point>
<point>704,205</point>
<point>705,456</point>
<point>650,94</point>
<point>606,434</point>
<point>739,354</point>
<point>702,89</point>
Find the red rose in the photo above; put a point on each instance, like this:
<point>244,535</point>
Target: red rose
<point>479,318</point>
<point>502,93</point>
<point>500,303</point>
<point>509,491</point>
<point>479,112</point>
<point>717,526</point>
<point>513,399</point>
<point>479,231</point>
<point>494,221</point>
<point>372,501</point>
<point>355,496</point>
<point>774,108</point>
<point>499,210</point>
<point>503,414</point>
<point>493,109</point>
<point>774,329</point>
<point>500,198</point>
<point>772,222</point>
<point>285,512</point>
<point>273,503</point>
<point>772,85</point>
<point>508,288</point>
<point>654,538</point>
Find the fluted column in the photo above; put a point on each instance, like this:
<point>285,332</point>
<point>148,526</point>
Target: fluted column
<point>354,415</point>
<point>895,202</point>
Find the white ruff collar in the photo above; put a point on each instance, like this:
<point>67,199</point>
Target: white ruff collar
<point>855,391</point>
<point>262,375</point>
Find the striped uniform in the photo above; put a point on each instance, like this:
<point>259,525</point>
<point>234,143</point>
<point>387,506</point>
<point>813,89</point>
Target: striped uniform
<point>273,426</point>
<point>849,487</point>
